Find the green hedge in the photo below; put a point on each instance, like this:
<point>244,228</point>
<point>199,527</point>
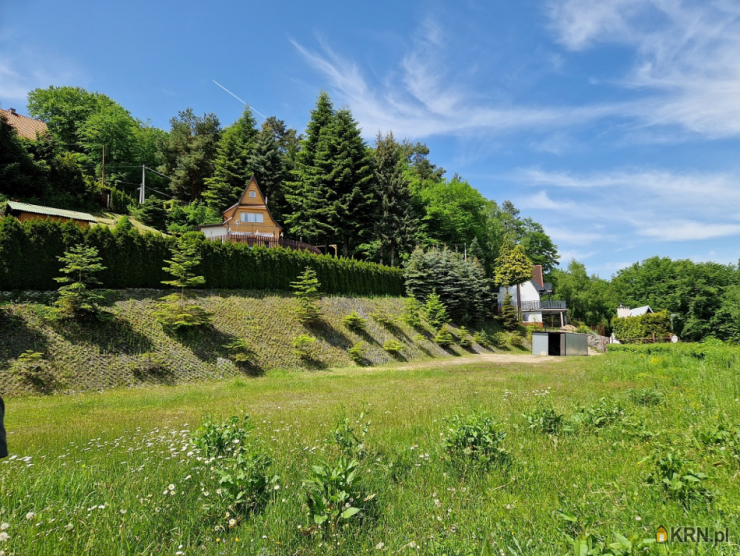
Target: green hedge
<point>644,326</point>
<point>29,251</point>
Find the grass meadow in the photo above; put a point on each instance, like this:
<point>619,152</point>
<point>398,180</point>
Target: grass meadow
<point>592,455</point>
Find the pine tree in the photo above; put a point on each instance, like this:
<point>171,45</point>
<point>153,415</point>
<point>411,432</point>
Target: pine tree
<point>268,166</point>
<point>174,312</point>
<point>75,299</point>
<point>395,220</point>
<point>305,192</point>
<point>231,168</point>
<point>306,292</point>
<point>435,312</point>
<point>512,267</point>
<point>509,318</point>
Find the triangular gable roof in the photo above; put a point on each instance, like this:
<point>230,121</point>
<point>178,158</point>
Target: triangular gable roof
<point>239,202</point>
<point>640,311</point>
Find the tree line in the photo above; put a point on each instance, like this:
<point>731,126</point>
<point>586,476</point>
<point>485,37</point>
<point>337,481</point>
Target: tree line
<point>376,202</point>
<point>701,299</point>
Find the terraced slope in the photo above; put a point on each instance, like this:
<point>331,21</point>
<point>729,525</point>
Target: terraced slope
<point>133,349</point>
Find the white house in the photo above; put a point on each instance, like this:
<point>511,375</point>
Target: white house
<point>533,307</point>
<point>624,312</point>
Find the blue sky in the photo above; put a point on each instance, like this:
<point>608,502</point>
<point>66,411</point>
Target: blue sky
<point>616,124</point>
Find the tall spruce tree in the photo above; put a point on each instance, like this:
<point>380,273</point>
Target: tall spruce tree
<point>268,166</point>
<point>231,167</point>
<point>395,220</point>
<point>305,193</point>
<point>345,165</point>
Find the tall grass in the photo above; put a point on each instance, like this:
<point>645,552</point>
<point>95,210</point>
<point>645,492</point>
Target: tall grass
<point>115,472</point>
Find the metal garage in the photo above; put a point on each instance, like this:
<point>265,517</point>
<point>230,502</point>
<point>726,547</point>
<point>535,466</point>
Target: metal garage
<point>559,343</point>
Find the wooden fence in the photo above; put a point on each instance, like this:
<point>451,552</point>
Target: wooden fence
<point>254,241</point>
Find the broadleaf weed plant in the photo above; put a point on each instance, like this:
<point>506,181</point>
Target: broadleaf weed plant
<point>474,439</point>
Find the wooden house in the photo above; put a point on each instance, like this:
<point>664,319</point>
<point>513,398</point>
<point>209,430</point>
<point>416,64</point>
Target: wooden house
<point>25,212</point>
<point>249,221</point>
<point>532,305</point>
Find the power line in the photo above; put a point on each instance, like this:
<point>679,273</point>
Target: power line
<point>240,100</point>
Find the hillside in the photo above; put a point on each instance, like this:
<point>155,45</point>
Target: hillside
<point>133,349</point>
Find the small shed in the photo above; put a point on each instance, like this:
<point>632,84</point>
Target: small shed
<point>559,343</point>
<point>25,212</point>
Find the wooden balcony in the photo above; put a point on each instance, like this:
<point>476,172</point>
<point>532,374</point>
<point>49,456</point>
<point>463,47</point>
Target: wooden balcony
<point>265,241</point>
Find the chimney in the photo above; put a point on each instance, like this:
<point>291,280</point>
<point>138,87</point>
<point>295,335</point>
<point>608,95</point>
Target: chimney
<point>537,275</point>
<point>12,111</point>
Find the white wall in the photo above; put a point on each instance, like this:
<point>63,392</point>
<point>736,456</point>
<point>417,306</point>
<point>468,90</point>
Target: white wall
<point>528,290</point>
<point>214,231</point>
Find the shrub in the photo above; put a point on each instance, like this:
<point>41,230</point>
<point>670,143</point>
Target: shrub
<point>301,345</point>
<point>240,351</point>
<point>394,347</point>
<point>444,337</point>
<point>384,317</point>
<point>465,340</point>
<point>33,369</point>
<point>176,312</point>
<point>306,292</point>
<point>546,420</point>
<point>357,352</point>
<point>474,439</point>
<point>482,339</point>
<point>435,312</point>
<point>335,495</point>
<point>148,364</point>
<point>354,321</point>
<point>642,327</point>
<point>508,315</point>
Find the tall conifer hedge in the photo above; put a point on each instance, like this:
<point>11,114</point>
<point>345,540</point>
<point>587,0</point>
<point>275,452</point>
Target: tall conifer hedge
<point>29,251</point>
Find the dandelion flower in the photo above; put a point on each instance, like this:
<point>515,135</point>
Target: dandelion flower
<point>4,526</point>
<point>69,527</point>
<point>232,522</point>
<point>4,536</point>
<point>171,487</point>
<point>30,515</point>
<point>379,546</point>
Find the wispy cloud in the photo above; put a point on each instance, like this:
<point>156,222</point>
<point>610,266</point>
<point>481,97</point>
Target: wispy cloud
<point>687,56</point>
<point>426,99</point>
<point>24,70</point>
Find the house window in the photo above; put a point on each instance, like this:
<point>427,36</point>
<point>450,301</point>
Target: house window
<point>252,194</point>
<point>252,217</point>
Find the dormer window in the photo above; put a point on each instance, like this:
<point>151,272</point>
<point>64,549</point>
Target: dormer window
<point>252,194</point>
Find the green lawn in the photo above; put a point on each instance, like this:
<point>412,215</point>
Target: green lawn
<point>94,470</point>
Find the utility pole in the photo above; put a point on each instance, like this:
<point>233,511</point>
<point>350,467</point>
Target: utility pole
<point>103,165</point>
<point>142,192</point>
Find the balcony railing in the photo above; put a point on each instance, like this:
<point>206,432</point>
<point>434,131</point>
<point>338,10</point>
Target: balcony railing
<point>546,305</point>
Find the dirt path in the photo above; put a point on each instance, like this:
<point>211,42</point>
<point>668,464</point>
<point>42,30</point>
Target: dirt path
<point>493,358</point>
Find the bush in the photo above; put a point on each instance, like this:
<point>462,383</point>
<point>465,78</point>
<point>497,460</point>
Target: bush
<point>645,396</point>
<point>149,364</point>
<point>357,352</point>
<point>175,312</point>
<point>642,327</point>
<point>354,321</point>
<point>465,340</point>
<point>301,345</point>
<point>384,317</point>
<point>473,439</point>
<point>240,351</point>
<point>394,347</point>
<point>32,368</point>
<point>444,337</point>
<point>75,299</point>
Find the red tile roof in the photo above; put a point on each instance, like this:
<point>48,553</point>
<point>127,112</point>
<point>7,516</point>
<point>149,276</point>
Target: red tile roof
<point>24,126</point>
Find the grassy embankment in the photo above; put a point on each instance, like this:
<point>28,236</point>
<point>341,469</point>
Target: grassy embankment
<point>133,349</point>
<point>115,473</point>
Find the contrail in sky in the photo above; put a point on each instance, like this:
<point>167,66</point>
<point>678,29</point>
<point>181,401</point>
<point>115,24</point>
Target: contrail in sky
<point>237,98</point>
